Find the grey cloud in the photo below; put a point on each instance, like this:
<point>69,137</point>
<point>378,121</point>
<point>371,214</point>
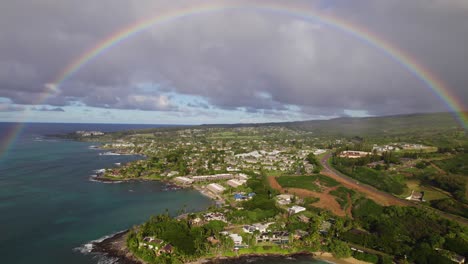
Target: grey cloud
<point>257,61</point>
<point>7,107</point>
<point>48,109</point>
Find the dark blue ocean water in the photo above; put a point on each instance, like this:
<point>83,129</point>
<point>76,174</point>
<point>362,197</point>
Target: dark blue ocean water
<point>48,206</point>
<point>49,209</point>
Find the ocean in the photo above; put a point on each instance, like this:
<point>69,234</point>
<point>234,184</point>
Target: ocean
<point>50,209</point>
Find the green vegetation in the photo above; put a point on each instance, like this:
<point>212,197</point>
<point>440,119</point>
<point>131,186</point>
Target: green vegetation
<point>451,206</point>
<point>401,231</point>
<point>306,182</point>
<point>342,195</point>
<point>371,258</point>
<point>379,179</point>
<point>413,153</point>
<point>455,165</point>
<point>261,207</point>
<point>189,242</point>
<point>312,159</point>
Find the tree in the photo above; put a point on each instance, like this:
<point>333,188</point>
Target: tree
<point>340,249</point>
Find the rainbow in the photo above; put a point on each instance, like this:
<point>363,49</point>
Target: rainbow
<point>287,8</point>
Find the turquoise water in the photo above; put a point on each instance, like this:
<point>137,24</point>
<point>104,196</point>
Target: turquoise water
<point>49,208</point>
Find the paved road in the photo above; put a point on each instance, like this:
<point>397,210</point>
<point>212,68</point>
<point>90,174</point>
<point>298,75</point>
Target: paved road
<point>378,196</point>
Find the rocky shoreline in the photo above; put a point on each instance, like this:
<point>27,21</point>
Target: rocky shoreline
<point>115,247</point>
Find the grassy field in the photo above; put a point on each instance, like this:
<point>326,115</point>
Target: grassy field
<point>341,194</point>
<point>306,182</point>
<point>430,193</point>
<point>456,165</point>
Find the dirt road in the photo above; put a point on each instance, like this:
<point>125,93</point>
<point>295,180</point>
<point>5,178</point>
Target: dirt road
<point>380,197</point>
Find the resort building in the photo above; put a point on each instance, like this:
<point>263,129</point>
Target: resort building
<point>215,188</point>
<point>236,183</point>
<point>214,177</point>
<point>351,154</point>
<point>183,180</point>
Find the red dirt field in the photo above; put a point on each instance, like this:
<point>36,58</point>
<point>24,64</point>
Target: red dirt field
<point>327,201</point>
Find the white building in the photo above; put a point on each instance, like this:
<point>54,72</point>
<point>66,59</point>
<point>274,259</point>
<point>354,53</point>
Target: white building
<point>212,177</point>
<point>236,238</point>
<point>215,188</point>
<point>319,151</point>
<point>284,199</point>
<point>258,226</point>
<point>183,180</point>
<point>296,209</point>
<point>236,183</point>
<point>242,176</point>
<point>351,154</point>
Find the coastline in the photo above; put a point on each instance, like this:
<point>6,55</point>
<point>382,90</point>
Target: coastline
<point>115,247</point>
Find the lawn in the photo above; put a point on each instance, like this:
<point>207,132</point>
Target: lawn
<point>456,165</point>
<point>430,193</point>
<point>302,182</point>
<point>306,182</point>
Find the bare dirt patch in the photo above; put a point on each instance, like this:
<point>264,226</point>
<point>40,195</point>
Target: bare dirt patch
<point>327,201</point>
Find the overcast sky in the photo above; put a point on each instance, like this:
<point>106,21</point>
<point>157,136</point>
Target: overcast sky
<point>244,65</point>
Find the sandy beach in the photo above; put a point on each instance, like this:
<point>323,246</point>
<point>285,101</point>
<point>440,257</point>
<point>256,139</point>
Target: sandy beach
<point>329,258</point>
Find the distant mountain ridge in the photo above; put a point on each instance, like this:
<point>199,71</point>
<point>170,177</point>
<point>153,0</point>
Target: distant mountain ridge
<point>369,125</point>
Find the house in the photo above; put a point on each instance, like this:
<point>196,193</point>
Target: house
<point>183,180</point>
<point>215,188</point>
<point>351,154</point>
<point>215,217</point>
<point>172,173</point>
<point>236,183</point>
<point>196,221</point>
<point>262,228</point>
<point>319,151</point>
<point>167,249</point>
<point>296,209</point>
<point>278,237</point>
<point>243,197</point>
<point>284,199</point>
<point>299,234</point>
<point>151,243</point>
<point>213,240</point>
<point>416,196</point>
<point>303,218</point>
<point>236,238</point>
<point>325,227</point>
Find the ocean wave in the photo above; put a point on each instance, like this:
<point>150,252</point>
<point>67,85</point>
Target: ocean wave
<point>104,259</point>
<point>94,178</point>
<point>89,246</point>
